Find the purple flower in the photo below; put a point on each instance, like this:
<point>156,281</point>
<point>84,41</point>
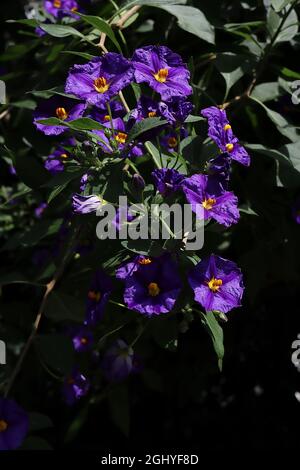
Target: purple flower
<point>12,170</point>
<point>84,182</point>
<point>209,199</point>
<point>151,285</point>
<point>119,362</point>
<point>118,139</point>
<point>55,161</point>
<point>75,387</point>
<point>122,217</point>
<point>145,108</point>
<point>86,204</point>
<point>220,167</point>
<point>98,295</point>
<point>100,79</point>
<point>14,424</point>
<point>61,8</point>
<point>38,211</point>
<point>163,70</point>
<point>217,284</point>
<point>220,131</point>
<point>296,210</point>
<point>167,180</point>
<point>61,107</point>
<point>169,139</point>
<point>176,110</point>
<point>100,113</point>
<point>82,339</point>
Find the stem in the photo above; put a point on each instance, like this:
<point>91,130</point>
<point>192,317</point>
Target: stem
<point>263,61</point>
<point>49,288</point>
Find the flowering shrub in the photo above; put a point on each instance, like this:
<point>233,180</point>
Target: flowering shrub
<point>100,107</point>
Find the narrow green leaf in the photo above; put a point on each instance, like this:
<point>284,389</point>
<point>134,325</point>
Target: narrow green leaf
<point>103,27</point>
<point>145,125</point>
<point>216,333</point>
<point>60,31</point>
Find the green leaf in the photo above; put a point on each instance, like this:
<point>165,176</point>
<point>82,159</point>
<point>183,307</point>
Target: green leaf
<point>61,307</point>
<point>61,180</point>
<point>279,4</point>
<point>144,126</point>
<point>103,27</point>
<point>38,422</point>
<point>154,152</point>
<point>216,333</point>
<point>77,125</point>
<point>289,29</point>
<point>35,443</point>
<point>232,67</point>
<point>60,31</point>
<point>268,91</point>
<point>280,122</point>
<point>28,22</point>
<point>56,351</point>
<point>118,399</point>
<point>84,55</point>
<point>40,230</point>
<point>192,118</point>
<point>192,20</point>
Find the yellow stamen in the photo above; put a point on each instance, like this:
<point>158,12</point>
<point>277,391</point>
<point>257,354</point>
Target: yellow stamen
<point>3,425</point>
<point>162,75</point>
<point>61,113</point>
<point>101,85</point>
<point>74,9</point>
<point>227,127</point>
<point>107,117</point>
<point>121,137</point>
<point>229,147</point>
<point>153,289</point>
<point>152,114</point>
<point>64,156</point>
<point>209,203</point>
<point>214,284</point>
<point>84,341</point>
<point>57,3</point>
<point>145,261</point>
<point>95,296</point>
<point>172,142</point>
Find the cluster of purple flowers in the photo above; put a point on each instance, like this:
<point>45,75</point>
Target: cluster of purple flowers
<point>152,285</point>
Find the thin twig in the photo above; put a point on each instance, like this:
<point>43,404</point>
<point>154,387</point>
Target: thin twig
<point>125,17</point>
<point>49,288</point>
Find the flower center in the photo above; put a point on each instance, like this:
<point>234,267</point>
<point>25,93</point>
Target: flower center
<point>172,142</point>
<point>227,127</point>
<point>107,117</point>
<point>153,289</point>
<point>57,3</point>
<point>101,85</point>
<point>95,296</point>
<point>61,113</point>
<point>84,340</point>
<point>145,261</point>
<point>74,9</point>
<point>162,75</point>
<point>214,284</point>
<point>209,203</point>
<point>3,425</point>
<point>229,147</point>
<point>121,137</point>
<point>152,114</point>
<point>64,156</point>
